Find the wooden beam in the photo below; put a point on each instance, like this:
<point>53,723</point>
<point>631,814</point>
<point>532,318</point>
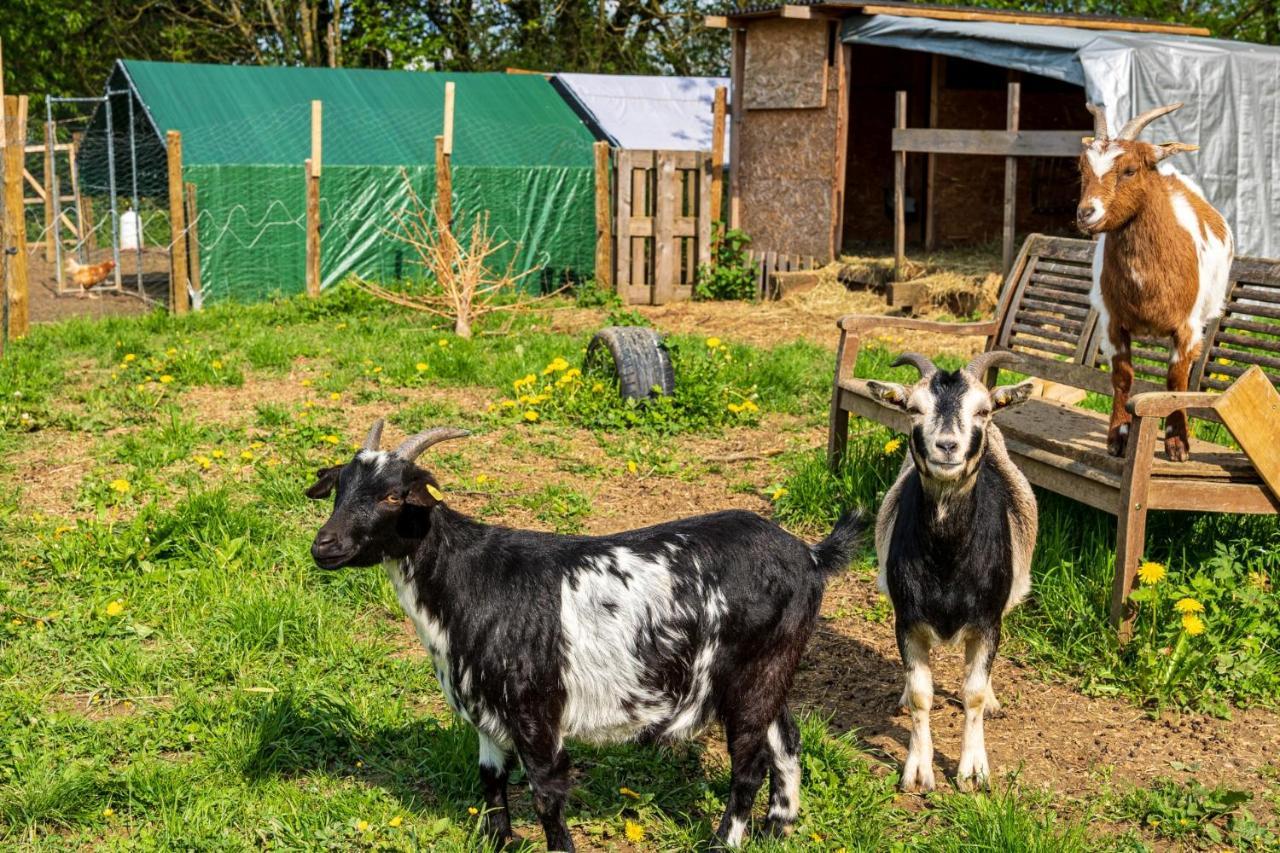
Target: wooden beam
<point>899,192</point>
<point>604,217</point>
<point>799,13</point>
<point>665,210</point>
<point>718,108</point>
<point>1082,22</point>
<point>50,232</point>
<point>15,228</point>
<point>931,164</point>
<point>448,118</point>
<point>996,143</point>
<point>737,81</point>
<point>178,300</point>
<point>1013,108</point>
<point>1250,408</point>
<point>313,230</point>
<point>193,237</point>
<point>317,140</point>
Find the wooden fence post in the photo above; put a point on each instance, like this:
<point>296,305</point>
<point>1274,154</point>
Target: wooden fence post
<point>178,300</point>
<point>718,108</point>
<point>738,72</point>
<point>15,226</point>
<point>314,167</point>
<point>193,239</point>
<point>444,158</point>
<point>900,193</point>
<point>51,228</point>
<point>1011,173</point>
<point>604,218</point>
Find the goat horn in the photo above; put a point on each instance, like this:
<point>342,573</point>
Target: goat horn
<point>984,361</point>
<point>374,438</point>
<point>411,448</point>
<point>918,361</point>
<point>1135,125</point>
<point>1099,122</point>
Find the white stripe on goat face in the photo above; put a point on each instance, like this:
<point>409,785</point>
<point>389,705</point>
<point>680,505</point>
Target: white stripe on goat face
<point>1102,156</point>
<point>605,607</point>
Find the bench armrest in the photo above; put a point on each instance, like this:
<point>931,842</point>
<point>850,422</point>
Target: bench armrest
<point>1159,404</point>
<point>867,322</point>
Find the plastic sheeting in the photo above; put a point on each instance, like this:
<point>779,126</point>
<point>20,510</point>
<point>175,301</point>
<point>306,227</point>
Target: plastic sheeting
<point>1231,91</point>
<point>635,111</point>
<point>520,154</point>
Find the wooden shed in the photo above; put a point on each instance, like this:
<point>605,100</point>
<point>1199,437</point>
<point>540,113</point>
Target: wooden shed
<point>989,149</point>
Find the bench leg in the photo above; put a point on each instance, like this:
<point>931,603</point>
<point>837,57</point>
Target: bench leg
<point>838,439</point>
<point>1131,522</point>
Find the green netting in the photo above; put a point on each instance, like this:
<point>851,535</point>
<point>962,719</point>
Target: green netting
<point>519,153</point>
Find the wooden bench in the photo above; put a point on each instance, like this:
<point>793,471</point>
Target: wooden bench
<point>1044,315</point>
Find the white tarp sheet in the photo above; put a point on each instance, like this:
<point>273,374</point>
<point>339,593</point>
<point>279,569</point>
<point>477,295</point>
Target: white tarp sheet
<point>636,111</point>
<point>1231,91</point>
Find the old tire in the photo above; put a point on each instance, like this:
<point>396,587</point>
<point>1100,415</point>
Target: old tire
<point>640,360</point>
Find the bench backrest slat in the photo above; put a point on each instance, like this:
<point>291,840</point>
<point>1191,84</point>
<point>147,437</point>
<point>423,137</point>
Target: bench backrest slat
<point>1045,315</point>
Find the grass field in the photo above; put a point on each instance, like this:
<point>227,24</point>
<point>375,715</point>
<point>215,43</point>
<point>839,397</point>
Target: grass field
<point>177,675</point>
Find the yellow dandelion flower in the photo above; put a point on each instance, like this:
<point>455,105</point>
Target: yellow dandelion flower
<point>481,479</point>
<point>530,415</point>
<point>171,352</point>
<point>1188,605</point>
<point>335,396</point>
<point>217,454</point>
<point>1192,624</point>
<point>115,608</point>
<point>779,492</point>
<point>362,825</point>
<point>632,467</point>
<point>246,455</point>
<point>1151,573</point>
<point>395,822</point>
<point>306,383</point>
<point>443,342</point>
<point>712,343</point>
<point>421,366</point>
<point>597,387</point>
<point>119,485</point>
<point>216,364</point>
<point>892,445</point>
<point>472,810</point>
<point>509,404</point>
<point>817,839</point>
<point>627,792</point>
<point>633,831</point>
<point>128,357</point>
<point>108,812</point>
<point>735,408</point>
<point>331,438</point>
<point>203,461</point>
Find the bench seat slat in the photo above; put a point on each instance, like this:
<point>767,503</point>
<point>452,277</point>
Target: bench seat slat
<point>1046,294</point>
<point>1233,322</point>
<point>1047,333</point>
<point>1061,308</point>
<point>1075,285</point>
<point>1058,249</point>
<point>1083,271</point>
<point>1261,294</point>
<point>1264,344</point>
<point>1041,346</point>
<point>1236,355</point>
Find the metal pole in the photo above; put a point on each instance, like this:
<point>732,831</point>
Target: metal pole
<point>56,189</point>
<point>111,185</point>
<point>137,211</point>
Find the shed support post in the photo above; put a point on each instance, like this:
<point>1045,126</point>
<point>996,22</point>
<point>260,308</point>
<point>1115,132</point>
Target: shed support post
<point>178,302</point>
<point>1011,174</point>
<point>931,163</point>
<point>739,71</point>
<point>900,193</point>
<point>718,107</point>
<point>314,166</point>
<point>15,227</point>
<point>604,216</point>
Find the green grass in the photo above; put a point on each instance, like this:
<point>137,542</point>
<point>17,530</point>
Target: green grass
<point>178,675</point>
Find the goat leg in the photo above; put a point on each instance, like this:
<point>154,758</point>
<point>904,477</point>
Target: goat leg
<point>1121,385</point>
<point>1183,354</point>
<point>495,769</point>
<point>547,766</point>
<point>784,775</point>
<point>979,653</point>
<point>917,771</point>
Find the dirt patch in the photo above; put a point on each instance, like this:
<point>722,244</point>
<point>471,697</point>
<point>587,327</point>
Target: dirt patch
<point>46,305</point>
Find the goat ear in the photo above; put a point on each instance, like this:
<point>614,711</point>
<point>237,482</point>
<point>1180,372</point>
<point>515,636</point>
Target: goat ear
<point>1011,395</point>
<point>424,493</point>
<point>1168,149</point>
<point>326,479</point>
<point>889,392</point>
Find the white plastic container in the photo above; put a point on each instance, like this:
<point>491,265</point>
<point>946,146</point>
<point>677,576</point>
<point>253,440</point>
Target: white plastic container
<point>130,231</point>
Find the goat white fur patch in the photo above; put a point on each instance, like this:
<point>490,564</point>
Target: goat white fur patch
<point>1102,156</point>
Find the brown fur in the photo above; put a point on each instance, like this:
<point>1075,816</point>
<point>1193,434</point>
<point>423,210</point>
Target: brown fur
<point>1150,277</point>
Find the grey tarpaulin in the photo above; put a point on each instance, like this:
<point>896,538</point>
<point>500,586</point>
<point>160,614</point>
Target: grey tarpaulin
<point>637,111</point>
<point>1231,90</point>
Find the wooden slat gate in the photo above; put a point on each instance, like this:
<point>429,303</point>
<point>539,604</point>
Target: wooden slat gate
<point>663,223</point>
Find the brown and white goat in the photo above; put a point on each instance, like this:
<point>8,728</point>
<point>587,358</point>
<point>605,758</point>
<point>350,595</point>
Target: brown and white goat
<point>1162,262</point>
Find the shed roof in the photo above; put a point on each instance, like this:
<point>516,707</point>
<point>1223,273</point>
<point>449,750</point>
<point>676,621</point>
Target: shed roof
<point>638,111</point>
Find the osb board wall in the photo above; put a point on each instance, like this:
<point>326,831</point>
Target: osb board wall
<point>786,64</point>
<point>878,73</point>
<point>786,172</point>
<point>968,191</point>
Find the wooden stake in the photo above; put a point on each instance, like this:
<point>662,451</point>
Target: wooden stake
<point>738,72</point>
<point>179,302</point>
<point>193,237</point>
<point>317,124</point>
<point>313,230</point>
<point>931,164</point>
<point>604,218</point>
<point>4,112</point>
<point>718,108</point>
<point>15,227</point>
<point>900,193</point>
<point>444,186</point>
<point>448,118</point>
<point>1011,174</point>
<point>50,231</point>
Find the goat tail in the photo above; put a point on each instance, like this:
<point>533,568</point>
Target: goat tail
<point>834,553</point>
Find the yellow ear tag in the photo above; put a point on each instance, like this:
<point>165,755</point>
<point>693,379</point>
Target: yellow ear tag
<point>434,492</point>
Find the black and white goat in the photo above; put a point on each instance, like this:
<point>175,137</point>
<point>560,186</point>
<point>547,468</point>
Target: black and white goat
<point>954,539</point>
<point>644,635</point>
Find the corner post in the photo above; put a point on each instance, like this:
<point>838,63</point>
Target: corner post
<point>15,226</point>
<point>899,192</point>
<point>604,219</point>
<point>178,300</point>
<point>1011,173</point>
<point>718,108</point>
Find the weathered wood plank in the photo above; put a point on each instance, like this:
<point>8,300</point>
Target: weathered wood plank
<point>995,143</point>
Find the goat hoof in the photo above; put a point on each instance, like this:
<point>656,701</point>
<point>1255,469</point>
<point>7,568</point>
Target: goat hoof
<point>921,784</point>
<point>777,828</point>
<point>1116,442</point>
<point>973,783</point>
<point>1175,447</point>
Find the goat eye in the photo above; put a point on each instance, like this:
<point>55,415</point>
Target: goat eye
<point>1130,172</point>
<point>391,500</point>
